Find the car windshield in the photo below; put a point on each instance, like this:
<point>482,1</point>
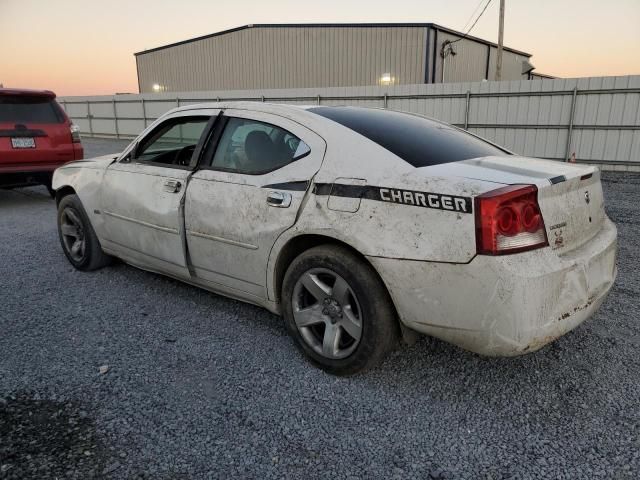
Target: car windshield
<point>29,109</point>
<point>417,140</point>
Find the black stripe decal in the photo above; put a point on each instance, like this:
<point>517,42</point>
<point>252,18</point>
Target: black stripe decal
<point>412,198</point>
<point>322,188</point>
<point>558,179</point>
<point>300,186</point>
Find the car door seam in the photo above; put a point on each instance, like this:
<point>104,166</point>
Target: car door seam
<point>182,214</point>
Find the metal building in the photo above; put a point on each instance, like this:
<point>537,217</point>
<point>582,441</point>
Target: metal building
<point>324,55</point>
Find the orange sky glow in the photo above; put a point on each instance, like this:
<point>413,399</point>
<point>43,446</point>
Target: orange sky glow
<point>86,47</point>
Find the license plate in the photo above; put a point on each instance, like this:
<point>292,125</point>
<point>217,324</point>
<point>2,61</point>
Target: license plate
<point>24,142</point>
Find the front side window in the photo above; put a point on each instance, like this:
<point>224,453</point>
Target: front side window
<point>252,147</point>
<point>173,142</point>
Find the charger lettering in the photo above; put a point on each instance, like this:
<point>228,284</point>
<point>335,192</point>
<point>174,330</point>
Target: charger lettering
<point>428,200</point>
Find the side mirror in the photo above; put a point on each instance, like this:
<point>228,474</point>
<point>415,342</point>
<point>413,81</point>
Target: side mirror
<point>133,153</point>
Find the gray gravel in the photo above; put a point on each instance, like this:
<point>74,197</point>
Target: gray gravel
<point>200,386</point>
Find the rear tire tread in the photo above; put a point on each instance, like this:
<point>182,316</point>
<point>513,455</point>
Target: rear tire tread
<point>380,326</point>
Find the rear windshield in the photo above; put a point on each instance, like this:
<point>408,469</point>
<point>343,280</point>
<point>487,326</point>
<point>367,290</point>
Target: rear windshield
<point>417,140</point>
<point>29,109</point>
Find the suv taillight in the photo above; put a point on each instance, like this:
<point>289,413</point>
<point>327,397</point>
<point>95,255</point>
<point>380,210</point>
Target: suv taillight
<point>508,220</point>
<point>75,133</point>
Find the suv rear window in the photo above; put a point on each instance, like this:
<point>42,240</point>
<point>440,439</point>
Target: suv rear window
<point>417,140</point>
<point>29,109</point>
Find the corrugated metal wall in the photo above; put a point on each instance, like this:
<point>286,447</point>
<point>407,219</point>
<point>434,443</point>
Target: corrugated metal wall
<point>294,57</point>
<point>511,65</point>
<point>469,64</point>
<point>530,117</point>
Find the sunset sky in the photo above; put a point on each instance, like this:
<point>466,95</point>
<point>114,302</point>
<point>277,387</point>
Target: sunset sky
<point>86,47</point>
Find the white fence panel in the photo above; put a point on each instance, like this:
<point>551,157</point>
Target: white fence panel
<point>597,119</point>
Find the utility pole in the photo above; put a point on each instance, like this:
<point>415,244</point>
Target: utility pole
<point>500,42</point>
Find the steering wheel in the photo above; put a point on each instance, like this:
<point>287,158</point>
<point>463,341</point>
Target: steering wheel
<point>183,156</point>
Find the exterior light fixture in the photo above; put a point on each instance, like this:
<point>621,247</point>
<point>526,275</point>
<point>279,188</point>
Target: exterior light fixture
<point>387,79</point>
<point>156,87</point>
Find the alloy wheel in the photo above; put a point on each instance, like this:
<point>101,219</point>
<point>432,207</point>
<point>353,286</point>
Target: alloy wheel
<point>327,313</point>
<point>73,235</point>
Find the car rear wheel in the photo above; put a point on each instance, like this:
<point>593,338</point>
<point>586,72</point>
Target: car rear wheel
<point>77,237</point>
<point>338,310</point>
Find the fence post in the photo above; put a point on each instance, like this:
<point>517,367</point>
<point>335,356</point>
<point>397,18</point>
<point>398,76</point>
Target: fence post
<point>318,100</point>
<point>262,97</point>
<point>385,100</point>
<point>144,113</point>
<point>115,118</point>
<point>466,110</point>
<point>567,151</point>
<point>89,118</point>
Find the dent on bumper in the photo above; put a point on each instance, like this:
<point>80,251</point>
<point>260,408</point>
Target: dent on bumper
<point>506,305</point>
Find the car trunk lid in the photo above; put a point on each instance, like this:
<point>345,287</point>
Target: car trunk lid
<point>570,196</point>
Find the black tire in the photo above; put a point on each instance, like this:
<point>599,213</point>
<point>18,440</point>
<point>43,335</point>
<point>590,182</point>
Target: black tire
<point>49,187</point>
<point>379,332</point>
<point>91,256</point>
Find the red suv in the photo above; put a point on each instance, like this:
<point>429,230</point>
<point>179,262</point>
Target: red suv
<point>36,137</point>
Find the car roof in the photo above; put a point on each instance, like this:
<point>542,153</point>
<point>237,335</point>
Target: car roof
<point>275,107</point>
<point>296,112</point>
<point>240,104</point>
<point>292,110</point>
<point>27,92</point>
<point>308,111</point>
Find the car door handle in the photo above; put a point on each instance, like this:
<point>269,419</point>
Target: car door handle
<point>172,186</point>
<point>279,199</point>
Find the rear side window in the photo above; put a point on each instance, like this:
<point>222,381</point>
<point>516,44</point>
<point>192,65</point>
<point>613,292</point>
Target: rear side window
<point>417,140</point>
<point>29,109</point>
<point>252,147</point>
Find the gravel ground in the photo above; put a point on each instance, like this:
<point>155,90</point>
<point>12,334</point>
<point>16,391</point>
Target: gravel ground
<point>200,386</point>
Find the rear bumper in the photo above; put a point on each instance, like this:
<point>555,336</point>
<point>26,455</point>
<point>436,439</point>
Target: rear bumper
<point>25,178</point>
<point>31,160</point>
<point>30,167</point>
<point>506,305</point>
<point>18,174</point>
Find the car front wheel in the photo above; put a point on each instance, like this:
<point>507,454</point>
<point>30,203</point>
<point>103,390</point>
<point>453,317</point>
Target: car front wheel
<point>79,242</point>
<point>338,310</point>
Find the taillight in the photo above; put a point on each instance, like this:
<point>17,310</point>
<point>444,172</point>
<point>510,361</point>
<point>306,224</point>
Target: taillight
<point>508,220</point>
<point>75,133</point>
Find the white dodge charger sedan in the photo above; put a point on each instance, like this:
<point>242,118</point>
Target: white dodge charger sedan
<point>360,226</point>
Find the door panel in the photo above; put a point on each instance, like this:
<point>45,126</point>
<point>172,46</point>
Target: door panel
<point>141,214</point>
<point>142,197</point>
<point>233,219</point>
